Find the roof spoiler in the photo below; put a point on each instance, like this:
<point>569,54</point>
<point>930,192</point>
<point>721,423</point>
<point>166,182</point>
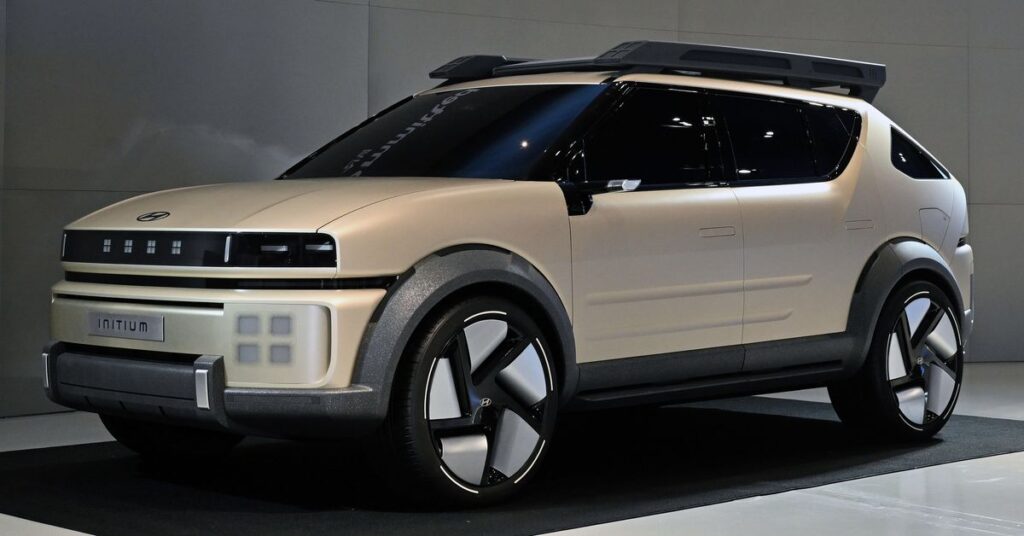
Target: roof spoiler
<point>860,79</point>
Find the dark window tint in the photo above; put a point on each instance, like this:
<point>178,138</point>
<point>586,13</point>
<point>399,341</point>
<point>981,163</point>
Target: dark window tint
<point>498,132</point>
<point>769,138</point>
<point>913,161</point>
<point>655,135</point>
<point>833,132</point>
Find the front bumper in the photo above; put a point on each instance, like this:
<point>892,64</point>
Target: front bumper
<point>193,392</point>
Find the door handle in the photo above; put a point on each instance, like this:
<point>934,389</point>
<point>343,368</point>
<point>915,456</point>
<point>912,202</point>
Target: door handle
<point>712,232</point>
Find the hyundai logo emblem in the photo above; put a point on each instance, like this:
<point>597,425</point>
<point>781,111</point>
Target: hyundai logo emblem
<point>153,216</point>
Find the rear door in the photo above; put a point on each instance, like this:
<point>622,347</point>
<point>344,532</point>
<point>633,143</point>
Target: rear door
<point>802,254</point>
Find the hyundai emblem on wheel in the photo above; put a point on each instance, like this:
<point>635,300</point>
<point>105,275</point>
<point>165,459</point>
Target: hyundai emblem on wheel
<point>153,216</point>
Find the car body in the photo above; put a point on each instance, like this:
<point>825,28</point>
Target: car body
<point>761,263</point>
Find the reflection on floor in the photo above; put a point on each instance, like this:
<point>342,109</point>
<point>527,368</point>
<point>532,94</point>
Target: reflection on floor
<point>972,497</point>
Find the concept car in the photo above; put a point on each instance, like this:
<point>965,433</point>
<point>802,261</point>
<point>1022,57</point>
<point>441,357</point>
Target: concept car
<point>660,223</point>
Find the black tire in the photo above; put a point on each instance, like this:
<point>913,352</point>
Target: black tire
<point>910,381</point>
<point>166,443</point>
<point>492,409</point>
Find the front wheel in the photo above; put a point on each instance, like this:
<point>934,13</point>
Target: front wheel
<point>910,381</point>
<point>473,407</point>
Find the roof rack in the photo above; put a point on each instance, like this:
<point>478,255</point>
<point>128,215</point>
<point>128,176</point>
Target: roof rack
<point>861,79</point>
<point>473,67</point>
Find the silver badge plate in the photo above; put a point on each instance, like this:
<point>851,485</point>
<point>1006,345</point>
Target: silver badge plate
<point>138,327</point>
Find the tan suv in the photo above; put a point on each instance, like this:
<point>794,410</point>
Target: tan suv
<point>660,223</point>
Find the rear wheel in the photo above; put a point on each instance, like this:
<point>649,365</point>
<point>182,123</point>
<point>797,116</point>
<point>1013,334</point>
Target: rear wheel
<point>163,442</point>
<point>474,406</point>
<point>911,379</point>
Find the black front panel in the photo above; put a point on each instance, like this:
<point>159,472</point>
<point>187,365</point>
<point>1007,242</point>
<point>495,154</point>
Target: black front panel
<point>183,248</point>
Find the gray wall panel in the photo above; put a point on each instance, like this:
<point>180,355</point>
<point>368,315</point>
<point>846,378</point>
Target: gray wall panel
<point>997,125</point>
<point>109,98</point>
<point>648,14</point>
<point>101,100</point>
<point>932,22</point>
<point>404,45</point>
<point>995,236</point>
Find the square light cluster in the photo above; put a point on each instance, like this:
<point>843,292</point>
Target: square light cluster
<point>260,336</point>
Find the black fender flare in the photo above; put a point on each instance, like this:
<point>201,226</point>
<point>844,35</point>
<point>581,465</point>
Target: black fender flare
<point>438,277</point>
<point>888,267</point>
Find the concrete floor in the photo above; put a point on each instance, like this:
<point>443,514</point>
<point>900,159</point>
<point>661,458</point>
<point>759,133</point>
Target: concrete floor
<point>980,496</point>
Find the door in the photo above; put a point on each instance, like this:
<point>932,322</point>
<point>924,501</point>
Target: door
<point>806,238</point>
<point>659,269</point>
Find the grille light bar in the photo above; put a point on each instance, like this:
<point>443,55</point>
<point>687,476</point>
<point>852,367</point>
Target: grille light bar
<point>170,248</point>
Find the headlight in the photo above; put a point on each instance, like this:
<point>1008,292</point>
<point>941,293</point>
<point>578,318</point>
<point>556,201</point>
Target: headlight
<point>281,249</point>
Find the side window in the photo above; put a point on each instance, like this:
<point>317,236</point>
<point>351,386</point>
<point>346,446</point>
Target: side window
<point>769,138</point>
<point>913,161</point>
<point>655,135</point>
<point>833,134</point>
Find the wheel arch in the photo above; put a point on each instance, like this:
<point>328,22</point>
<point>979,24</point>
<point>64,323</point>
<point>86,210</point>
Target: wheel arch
<point>443,278</point>
<point>892,265</point>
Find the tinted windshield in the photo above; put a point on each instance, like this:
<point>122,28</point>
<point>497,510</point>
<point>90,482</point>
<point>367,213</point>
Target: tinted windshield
<point>495,132</point>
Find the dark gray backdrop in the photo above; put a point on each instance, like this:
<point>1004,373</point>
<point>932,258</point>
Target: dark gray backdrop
<point>104,99</point>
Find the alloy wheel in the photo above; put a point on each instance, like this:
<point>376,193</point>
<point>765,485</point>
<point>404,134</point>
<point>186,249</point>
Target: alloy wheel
<point>922,360</point>
<point>488,402</point>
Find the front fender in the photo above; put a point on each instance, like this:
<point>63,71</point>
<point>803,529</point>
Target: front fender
<point>438,277</point>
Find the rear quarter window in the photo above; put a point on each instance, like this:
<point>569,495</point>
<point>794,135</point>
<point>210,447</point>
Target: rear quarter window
<point>912,160</point>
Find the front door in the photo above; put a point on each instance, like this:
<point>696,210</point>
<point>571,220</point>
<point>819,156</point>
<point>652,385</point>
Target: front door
<point>659,269</point>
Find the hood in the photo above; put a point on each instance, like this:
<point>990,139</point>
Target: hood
<point>280,205</point>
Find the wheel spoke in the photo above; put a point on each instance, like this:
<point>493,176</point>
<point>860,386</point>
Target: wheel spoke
<point>499,359</point>
<point>911,397</point>
<point>942,339</point>
<point>896,358</point>
<point>443,401</point>
<point>515,440</point>
<point>465,456</point>
<point>928,323</point>
<point>903,336</point>
<point>524,377</point>
<point>482,338</point>
<point>941,384</point>
<point>915,312</point>
<point>454,426</point>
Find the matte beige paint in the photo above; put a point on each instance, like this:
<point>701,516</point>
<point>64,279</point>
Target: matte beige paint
<point>657,271</point>
<point>201,330</point>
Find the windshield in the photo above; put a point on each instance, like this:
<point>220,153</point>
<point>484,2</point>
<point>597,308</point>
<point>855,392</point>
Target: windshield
<point>494,132</point>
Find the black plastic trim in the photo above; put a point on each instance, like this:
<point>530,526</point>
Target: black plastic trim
<point>226,283</point>
<point>472,67</point>
<point>138,386</point>
<point>435,279</point>
<point>716,372</point>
